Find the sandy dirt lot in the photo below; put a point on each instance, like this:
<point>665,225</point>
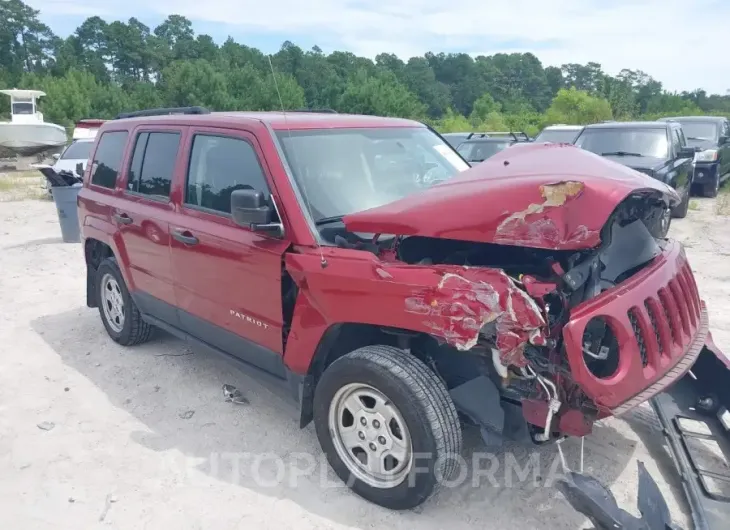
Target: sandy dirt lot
<point>93,435</point>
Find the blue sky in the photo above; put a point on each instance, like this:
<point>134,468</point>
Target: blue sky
<point>683,44</point>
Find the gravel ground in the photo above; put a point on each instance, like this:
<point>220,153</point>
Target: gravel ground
<point>96,435</point>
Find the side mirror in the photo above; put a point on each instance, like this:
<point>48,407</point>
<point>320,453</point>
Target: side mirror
<point>56,156</point>
<point>250,209</point>
<point>686,152</point>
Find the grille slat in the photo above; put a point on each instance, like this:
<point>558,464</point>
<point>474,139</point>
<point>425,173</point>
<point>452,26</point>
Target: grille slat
<point>671,311</point>
<point>693,293</point>
<point>644,340</point>
<point>662,341</point>
<point>689,299</point>
<point>681,303</point>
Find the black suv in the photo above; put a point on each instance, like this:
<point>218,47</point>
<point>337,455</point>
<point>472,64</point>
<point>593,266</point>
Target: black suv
<point>656,148</point>
<point>479,146</point>
<point>710,136</point>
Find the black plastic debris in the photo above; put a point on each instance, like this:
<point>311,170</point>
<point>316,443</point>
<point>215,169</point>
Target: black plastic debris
<point>59,178</point>
<point>594,500</point>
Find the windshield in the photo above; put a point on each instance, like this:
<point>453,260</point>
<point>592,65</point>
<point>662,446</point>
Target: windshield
<point>632,142</point>
<point>700,130</point>
<point>22,108</point>
<point>342,171</point>
<point>480,151</point>
<point>557,136</point>
<point>77,151</point>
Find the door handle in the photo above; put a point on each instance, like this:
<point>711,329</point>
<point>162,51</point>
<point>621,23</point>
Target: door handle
<point>184,236</point>
<point>122,218</point>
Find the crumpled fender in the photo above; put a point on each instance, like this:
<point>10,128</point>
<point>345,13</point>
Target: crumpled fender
<point>466,300</point>
<point>451,303</point>
<point>547,196</point>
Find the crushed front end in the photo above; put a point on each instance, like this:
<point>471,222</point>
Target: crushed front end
<point>572,336</point>
<point>565,290</point>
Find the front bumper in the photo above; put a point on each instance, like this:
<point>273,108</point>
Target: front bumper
<point>705,172</point>
<point>660,325</point>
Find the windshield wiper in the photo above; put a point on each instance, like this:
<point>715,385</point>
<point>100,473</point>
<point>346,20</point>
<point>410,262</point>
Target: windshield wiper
<point>621,153</point>
<point>328,220</point>
<point>699,138</point>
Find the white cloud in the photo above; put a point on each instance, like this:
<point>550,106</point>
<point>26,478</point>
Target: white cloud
<point>683,44</point>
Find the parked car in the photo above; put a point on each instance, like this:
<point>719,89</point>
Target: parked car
<point>391,307</point>
<point>454,139</point>
<point>658,149</point>
<point>559,134</point>
<point>710,136</point>
<point>480,146</point>
<point>77,152</point>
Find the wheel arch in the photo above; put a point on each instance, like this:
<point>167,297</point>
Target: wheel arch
<point>95,251</point>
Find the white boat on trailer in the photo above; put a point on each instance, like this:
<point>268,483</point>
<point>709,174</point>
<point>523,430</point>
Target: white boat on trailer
<point>26,134</point>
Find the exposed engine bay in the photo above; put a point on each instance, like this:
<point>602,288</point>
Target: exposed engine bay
<point>527,363</point>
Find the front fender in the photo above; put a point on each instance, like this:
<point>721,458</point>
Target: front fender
<point>451,303</point>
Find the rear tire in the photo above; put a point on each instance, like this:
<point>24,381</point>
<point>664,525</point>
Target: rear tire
<point>121,318</point>
<point>404,389</point>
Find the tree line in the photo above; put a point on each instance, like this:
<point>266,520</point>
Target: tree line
<point>104,68</point>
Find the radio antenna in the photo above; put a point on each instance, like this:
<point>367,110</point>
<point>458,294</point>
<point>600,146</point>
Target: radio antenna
<point>323,261</point>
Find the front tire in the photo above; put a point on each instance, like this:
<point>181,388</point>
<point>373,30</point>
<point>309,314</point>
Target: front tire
<point>711,189</point>
<point>387,425</point>
<point>680,212</point>
<point>121,318</point>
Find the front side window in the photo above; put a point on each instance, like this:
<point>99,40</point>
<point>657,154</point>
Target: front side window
<point>153,163</point>
<point>220,165</point>
<point>342,171</point>
<point>625,142</point>
<point>108,159</point>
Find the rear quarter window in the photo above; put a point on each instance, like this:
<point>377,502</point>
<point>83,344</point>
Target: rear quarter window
<point>108,159</point>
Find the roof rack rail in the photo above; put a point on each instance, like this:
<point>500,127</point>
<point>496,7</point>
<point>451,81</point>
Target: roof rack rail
<point>512,134</point>
<point>322,111</point>
<point>478,135</point>
<point>162,112</point>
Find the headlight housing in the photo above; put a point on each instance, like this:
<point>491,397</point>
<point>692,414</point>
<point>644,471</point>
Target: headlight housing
<point>709,155</point>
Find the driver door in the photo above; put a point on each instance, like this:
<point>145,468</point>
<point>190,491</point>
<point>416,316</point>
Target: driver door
<point>227,278</point>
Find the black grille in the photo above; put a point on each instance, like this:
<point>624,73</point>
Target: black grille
<point>639,337</point>
<point>655,327</point>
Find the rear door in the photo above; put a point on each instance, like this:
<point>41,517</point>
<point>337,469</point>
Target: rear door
<point>144,216</point>
<point>228,279</point>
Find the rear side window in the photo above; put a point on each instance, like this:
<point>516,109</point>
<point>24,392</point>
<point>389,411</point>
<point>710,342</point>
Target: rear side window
<point>153,163</point>
<point>108,159</point>
<point>218,166</point>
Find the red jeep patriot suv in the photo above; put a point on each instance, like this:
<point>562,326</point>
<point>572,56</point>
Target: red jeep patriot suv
<point>392,290</point>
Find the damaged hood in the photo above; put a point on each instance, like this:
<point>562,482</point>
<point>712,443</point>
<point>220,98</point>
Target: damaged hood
<point>551,196</point>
